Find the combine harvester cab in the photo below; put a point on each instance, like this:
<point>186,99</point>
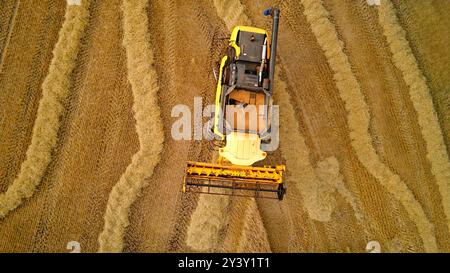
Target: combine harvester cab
<point>242,119</point>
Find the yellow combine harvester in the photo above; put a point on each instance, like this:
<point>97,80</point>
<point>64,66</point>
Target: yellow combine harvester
<point>245,85</point>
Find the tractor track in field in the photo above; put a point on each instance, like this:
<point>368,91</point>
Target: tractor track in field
<point>7,26</point>
<point>106,92</point>
<point>199,150</point>
<point>147,112</point>
<point>159,15</point>
<point>359,118</point>
<point>205,227</point>
<point>423,22</point>
<point>394,117</point>
<point>20,107</point>
<point>427,118</point>
<point>64,135</point>
<point>244,232</point>
<point>64,186</point>
<point>303,46</point>
<point>45,129</point>
<point>171,210</point>
<point>46,125</point>
<point>205,233</point>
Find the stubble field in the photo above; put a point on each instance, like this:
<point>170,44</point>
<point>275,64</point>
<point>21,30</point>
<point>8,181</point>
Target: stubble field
<point>86,152</point>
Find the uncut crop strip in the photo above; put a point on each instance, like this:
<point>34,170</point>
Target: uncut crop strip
<point>358,118</point>
<point>54,91</point>
<point>143,79</point>
<point>419,93</point>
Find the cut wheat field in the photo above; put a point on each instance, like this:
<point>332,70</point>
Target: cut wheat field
<point>86,152</point>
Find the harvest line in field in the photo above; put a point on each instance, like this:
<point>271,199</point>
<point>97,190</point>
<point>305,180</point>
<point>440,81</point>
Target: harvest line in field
<point>55,90</point>
<point>148,126</point>
<point>358,117</point>
<point>421,98</point>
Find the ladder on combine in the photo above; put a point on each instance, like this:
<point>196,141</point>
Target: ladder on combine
<point>248,181</point>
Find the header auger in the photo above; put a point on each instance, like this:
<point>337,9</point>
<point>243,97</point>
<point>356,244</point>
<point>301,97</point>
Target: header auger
<point>244,90</point>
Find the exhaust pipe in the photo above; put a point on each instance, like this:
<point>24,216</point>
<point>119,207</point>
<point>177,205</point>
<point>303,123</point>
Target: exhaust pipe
<point>275,13</point>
